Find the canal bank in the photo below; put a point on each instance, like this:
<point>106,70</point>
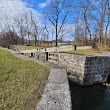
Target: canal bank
<point>56,94</point>
<point>93,97</point>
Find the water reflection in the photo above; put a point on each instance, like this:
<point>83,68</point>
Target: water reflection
<point>90,98</point>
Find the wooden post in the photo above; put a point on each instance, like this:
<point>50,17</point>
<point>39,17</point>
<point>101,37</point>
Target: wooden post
<point>75,47</point>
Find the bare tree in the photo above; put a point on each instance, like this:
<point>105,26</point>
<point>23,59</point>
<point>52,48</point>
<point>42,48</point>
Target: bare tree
<point>9,30</point>
<point>34,26</point>
<point>65,31</point>
<point>28,25</point>
<point>86,12</point>
<point>20,25</point>
<point>58,12</point>
<point>47,34</point>
<point>96,16</point>
<point>108,21</point>
<point>102,19</point>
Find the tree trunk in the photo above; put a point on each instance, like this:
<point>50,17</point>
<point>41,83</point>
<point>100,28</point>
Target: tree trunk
<point>56,34</point>
<point>22,40</point>
<point>90,40</point>
<point>56,40</point>
<point>28,39</point>
<point>35,40</point>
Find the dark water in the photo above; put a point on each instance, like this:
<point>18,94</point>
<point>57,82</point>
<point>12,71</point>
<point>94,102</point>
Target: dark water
<point>90,98</point>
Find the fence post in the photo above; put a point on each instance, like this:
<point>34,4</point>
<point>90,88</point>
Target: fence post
<point>75,47</point>
<point>59,59</point>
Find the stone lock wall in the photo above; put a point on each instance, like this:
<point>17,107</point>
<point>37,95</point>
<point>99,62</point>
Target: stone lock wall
<point>86,70</point>
<point>96,70</point>
<point>74,65</point>
<point>83,70</point>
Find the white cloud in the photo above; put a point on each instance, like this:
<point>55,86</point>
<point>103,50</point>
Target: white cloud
<point>44,4</point>
<point>15,8</point>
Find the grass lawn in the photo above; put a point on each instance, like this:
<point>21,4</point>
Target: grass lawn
<point>23,47</point>
<point>21,82</point>
<point>92,52</point>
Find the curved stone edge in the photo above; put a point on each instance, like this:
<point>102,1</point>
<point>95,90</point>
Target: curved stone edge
<point>56,94</point>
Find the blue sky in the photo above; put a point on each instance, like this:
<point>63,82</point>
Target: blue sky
<point>35,4</point>
<point>40,6</point>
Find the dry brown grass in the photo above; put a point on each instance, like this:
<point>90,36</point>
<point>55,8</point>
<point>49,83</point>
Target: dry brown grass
<point>23,47</point>
<point>92,52</point>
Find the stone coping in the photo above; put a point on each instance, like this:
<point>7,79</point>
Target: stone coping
<point>56,94</point>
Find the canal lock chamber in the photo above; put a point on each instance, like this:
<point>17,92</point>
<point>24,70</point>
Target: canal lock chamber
<point>93,96</point>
